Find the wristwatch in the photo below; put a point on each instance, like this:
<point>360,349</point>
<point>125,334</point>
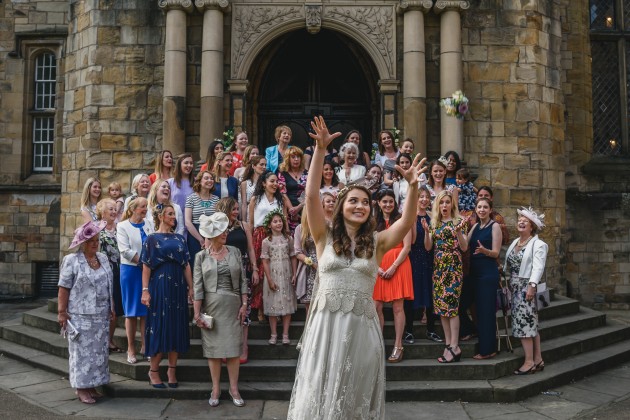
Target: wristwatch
<point>145,289</point>
<point>533,284</point>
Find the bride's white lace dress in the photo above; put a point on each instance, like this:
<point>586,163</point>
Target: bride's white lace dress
<point>341,369</point>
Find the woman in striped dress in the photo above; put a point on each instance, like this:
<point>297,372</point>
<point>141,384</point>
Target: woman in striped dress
<point>201,201</point>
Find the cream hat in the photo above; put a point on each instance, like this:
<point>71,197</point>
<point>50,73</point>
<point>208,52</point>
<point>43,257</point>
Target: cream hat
<point>212,226</point>
<point>534,217</point>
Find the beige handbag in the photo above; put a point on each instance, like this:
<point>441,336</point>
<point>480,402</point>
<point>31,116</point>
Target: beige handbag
<point>208,320</point>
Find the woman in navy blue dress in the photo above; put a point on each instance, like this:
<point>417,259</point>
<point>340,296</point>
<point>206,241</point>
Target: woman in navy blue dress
<point>485,245</point>
<point>166,290</point>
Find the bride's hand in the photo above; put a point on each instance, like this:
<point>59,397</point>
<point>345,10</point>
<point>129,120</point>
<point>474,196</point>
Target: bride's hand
<point>412,174</point>
<point>322,136</point>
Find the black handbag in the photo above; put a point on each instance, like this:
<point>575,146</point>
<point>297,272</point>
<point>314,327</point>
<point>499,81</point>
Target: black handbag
<point>542,299</point>
<point>504,298</point>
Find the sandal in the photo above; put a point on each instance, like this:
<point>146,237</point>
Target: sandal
<point>158,386</point>
<point>85,397</point>
<point>395,358</point>
<point>131,359</point>
<point>540,366</point>
<point>456,357</point>
<point>113,348</point>
<point>483,357</point>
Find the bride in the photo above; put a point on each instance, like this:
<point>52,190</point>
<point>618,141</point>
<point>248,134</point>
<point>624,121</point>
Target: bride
<point>341,370</point>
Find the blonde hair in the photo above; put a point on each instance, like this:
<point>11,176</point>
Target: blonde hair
<point>306,230</point>
<point>436,214</point>
<point>159,162</point>
<point>152,197</point>
<point>133,205</point>
<point>280,129</point>
<point>159,212</point>
<point>217,166</point>
<point>101,206</point>
<point>286,161</point>
<point>85,195</point>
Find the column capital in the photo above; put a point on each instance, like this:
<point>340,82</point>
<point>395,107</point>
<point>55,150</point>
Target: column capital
<point>185,5</point>
<point>389,85</point>
<point>407,5</point>
<point>203,5</point>
<point>443,5</point>
<point>237,86</point>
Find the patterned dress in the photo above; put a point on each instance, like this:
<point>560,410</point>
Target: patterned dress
<point>109,246</point>
<point>89,306</point>
<point>279,250</point>
<point>524,314</point>
<point>166,254</point>
<point>340,373</point>
<point>310,276</point>
<point>447,271</point>
<point>293,189</point>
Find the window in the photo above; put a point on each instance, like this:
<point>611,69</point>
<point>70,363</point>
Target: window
<point>43,114</point>
<point>610,52</point>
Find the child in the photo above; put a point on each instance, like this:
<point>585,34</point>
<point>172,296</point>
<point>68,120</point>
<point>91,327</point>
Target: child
<point>280,266</point>
<point>467,192</point>
<point>115,193</point>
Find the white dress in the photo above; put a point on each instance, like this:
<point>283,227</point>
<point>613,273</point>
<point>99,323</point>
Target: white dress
<point>341,369</point>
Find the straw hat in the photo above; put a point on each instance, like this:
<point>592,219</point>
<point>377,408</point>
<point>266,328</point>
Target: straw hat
<point>212,226</point>
<point>87,231</point>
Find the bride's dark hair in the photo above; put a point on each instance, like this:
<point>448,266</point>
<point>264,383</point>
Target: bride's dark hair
<point>364,240</point>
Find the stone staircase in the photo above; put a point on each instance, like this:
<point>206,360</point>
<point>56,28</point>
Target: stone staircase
<point>577,342</point>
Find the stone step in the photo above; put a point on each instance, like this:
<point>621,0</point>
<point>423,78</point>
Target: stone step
<point>283,369</point>
<point>506,389</point>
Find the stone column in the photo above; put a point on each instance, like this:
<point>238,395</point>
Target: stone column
<point>238,105</point>
<point>211,124</point>
<point>174,102</point>
<point>451,69</point>
<point>389,89</point>
<point>414,74</point>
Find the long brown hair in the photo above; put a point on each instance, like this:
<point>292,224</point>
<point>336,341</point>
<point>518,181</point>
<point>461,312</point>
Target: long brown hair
<point>364,240</point>
<point>159,162</point>
<point>178,170</point>
<point>225,205</point>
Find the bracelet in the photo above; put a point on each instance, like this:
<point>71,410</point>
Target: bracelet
<point>244,304</point>
<point>145,289</point>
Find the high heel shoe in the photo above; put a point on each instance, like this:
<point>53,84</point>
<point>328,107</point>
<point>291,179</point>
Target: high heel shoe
<point>239,402</point>
<point>173,384</point>
<point>158,386</point>
<point>540,366</point>
<point>529,371</point>
<point>396,357</point>
<point>456,356</point>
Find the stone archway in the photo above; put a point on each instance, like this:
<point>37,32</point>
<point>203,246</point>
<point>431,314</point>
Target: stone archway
<point>289,87</point>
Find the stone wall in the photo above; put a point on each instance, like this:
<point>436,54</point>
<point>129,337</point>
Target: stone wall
<point>29,215</point>
<point>113,113</point>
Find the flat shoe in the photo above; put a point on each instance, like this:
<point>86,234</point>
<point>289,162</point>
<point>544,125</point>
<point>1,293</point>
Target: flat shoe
<point>273,340</point>
<point>239,402</point>
<point>214,401</point>
<point>285,340</point>
<point>483,357</point>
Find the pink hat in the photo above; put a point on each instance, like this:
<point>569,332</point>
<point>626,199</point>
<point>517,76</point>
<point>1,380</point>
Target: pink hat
<point>87,231</point>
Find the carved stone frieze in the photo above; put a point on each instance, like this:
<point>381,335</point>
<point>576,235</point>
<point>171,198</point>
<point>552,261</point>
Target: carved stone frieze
<point>371,26</point>
<point>203,5</point>
<point>376,22</point>
<point>313,14</point>
<point>186,5</point>
<point>441,5</point>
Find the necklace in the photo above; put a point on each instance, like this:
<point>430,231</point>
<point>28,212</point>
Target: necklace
<point>92,262</point>
<point>522,244</point>
<point>219,252</point>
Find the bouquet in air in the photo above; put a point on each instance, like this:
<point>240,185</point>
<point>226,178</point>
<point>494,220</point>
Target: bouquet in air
<point>455,106</point>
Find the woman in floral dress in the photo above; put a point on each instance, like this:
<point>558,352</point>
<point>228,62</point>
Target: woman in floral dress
<point>447,234</point>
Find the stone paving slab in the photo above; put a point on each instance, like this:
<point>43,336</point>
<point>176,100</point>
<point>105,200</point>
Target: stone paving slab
<point>199,409</point>
<point>275,410</point>
<point>603,384</point>
<point>555,407</point>
<point>478,411</point>
<point>16,380</point>
<point>124,408</point>
<point>425,410</point>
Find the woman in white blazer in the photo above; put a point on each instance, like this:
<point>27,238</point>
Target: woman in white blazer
<point>131,234</point>
<point>525,261</point>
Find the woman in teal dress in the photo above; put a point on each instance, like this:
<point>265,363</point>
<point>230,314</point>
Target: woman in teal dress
<point>166,290</point>
<point>450,241</point>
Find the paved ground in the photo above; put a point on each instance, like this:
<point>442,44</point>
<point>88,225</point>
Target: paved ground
<point>29,393</point>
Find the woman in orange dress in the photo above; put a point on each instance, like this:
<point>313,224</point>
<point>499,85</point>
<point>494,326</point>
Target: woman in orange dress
<point>394,282</point>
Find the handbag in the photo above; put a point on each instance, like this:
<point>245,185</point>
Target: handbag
<point>504,297</point>
<point>300,280</point>
<point>543,299</point>
<point>207,320</point>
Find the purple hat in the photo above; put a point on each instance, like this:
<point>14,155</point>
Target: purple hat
<point>87,231</point>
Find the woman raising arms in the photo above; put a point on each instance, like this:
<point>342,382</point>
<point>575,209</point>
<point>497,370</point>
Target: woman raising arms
<point>352,377</point>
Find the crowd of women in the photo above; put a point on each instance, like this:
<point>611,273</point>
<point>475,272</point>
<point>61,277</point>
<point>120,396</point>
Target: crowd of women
<point>233,239</point>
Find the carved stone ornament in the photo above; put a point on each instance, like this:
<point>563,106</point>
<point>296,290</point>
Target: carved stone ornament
<point>203,5</point>
<point>441,5</point>
<point>313,14</point>
<point>373,27</point>
<point>186,5</point>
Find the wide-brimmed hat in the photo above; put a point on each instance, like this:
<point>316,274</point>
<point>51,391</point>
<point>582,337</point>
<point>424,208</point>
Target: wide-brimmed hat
<point>87,231</point>
<point>534,217</point>
<point>212,226</point>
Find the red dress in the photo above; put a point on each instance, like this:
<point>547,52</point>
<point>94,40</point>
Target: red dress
<point>400,285</point>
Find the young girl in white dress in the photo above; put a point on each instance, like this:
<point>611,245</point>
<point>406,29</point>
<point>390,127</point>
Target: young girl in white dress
<point>280,266</point>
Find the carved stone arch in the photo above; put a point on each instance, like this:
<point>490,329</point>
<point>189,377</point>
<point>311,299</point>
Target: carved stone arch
<point>254,27</point>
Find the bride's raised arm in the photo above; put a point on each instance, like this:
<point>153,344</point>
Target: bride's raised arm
<point>313,205</point>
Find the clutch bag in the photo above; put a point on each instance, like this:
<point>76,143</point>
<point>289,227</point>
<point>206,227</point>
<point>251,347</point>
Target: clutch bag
<point>208,320</point>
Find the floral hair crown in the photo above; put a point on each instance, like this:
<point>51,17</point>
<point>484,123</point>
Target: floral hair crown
<point>443,160</point>
<point>270,216</point>
<point>361,182</point>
